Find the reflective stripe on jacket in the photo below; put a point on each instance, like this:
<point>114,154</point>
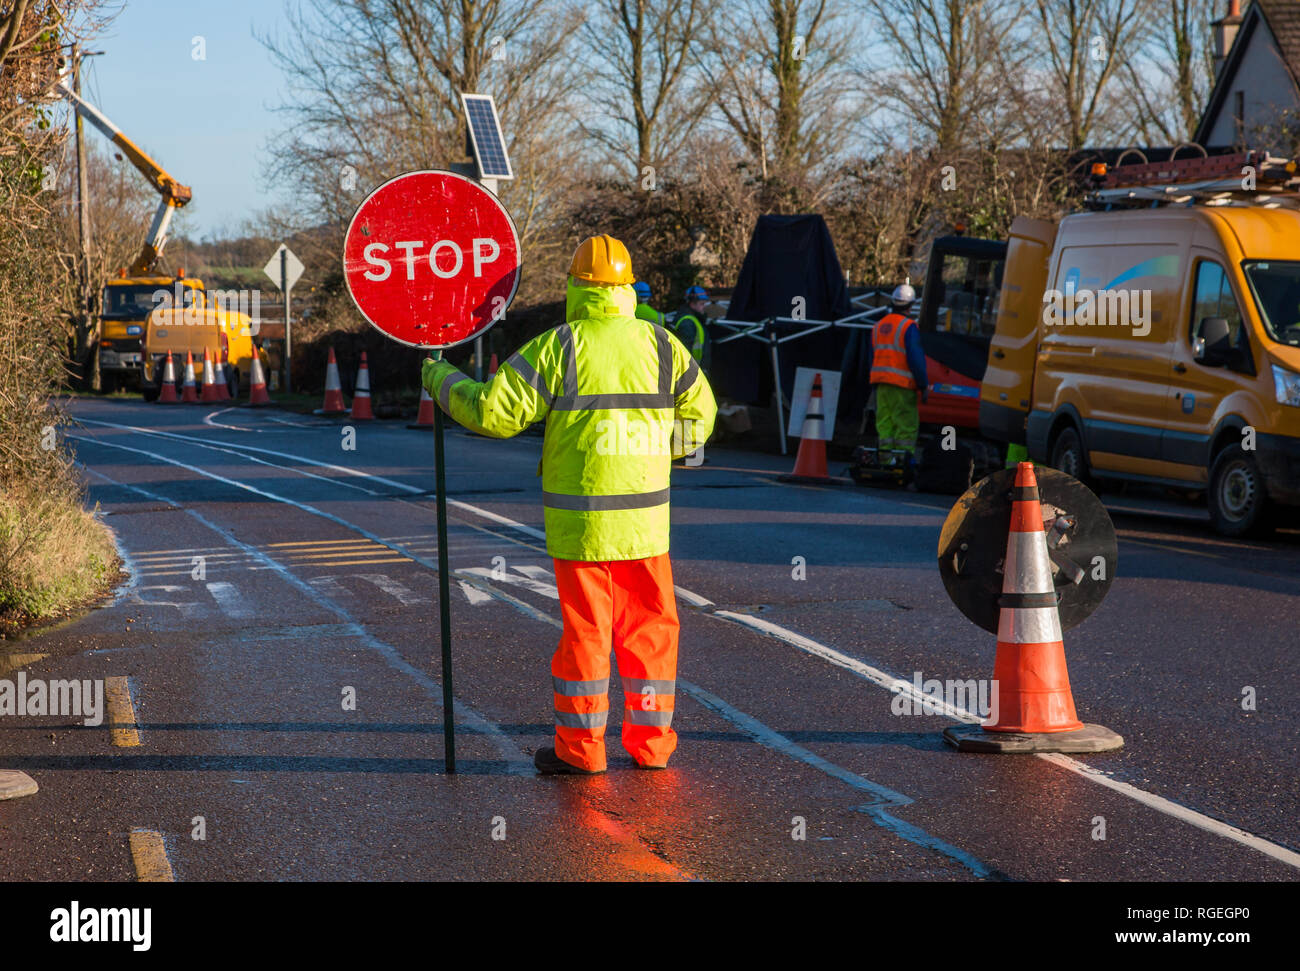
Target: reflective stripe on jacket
<point>889,352</point>
<point>621,397</point>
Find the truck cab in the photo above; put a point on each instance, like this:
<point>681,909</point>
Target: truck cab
<point>126,305</point>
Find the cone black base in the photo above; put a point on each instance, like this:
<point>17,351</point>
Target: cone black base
<point>1089,738</point>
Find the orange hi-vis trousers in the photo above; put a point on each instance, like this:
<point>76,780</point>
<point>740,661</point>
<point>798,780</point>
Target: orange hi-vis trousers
<point>628,605</point>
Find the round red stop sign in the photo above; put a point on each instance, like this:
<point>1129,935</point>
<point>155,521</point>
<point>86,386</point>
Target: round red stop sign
<point>431,259</point>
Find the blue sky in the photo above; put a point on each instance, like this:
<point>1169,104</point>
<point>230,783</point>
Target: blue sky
<point>205,121</point>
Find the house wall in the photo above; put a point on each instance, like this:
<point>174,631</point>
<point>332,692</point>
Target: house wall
<point>1268,88</point>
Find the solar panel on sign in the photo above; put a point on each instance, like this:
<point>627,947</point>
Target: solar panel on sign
<point>485,133</point>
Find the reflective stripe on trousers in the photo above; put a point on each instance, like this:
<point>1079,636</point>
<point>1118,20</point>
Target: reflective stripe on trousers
<point>628,605</point>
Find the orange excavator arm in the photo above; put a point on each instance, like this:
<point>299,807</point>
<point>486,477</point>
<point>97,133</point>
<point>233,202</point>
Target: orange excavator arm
<point>172,194</point>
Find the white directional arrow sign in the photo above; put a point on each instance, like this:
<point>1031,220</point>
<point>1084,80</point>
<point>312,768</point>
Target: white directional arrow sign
<point>292,268</point>
<point>284,269</point>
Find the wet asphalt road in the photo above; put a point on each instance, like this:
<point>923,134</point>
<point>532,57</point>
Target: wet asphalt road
<point>274,574</point>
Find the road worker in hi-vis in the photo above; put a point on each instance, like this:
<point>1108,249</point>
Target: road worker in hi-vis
<point>622,398</point>
<point>898,373</point>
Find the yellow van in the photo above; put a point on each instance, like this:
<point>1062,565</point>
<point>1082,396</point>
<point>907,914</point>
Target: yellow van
<point>1157,345</point>
<point>195,328</point>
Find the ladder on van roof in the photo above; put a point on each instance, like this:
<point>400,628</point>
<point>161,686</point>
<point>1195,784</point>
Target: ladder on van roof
<point>1250,178</point>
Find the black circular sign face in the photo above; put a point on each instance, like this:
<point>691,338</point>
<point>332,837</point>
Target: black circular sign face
<point>1080,540</point>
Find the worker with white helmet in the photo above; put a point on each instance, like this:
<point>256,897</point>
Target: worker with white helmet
<point>897,374</point>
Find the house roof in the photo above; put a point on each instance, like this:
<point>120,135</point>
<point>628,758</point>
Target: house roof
<point>1282,18</point>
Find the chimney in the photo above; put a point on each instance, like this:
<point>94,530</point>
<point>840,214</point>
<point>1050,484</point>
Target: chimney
<point>1225,32</point>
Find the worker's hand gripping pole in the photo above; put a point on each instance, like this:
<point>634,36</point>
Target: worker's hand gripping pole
<point>444,591</point>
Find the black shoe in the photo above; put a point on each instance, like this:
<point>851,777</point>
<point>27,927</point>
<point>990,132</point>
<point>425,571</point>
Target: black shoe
<point>548,763</point>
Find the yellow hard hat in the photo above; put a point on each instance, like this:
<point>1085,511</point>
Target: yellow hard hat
<point>602,259</point>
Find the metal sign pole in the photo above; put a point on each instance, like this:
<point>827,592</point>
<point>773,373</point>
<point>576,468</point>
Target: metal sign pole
<point>288,343</point>
<point>444,597</point>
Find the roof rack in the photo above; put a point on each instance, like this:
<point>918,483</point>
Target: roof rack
<point>1208,180</point>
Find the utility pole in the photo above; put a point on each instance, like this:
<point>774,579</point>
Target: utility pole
<point>86,303</point>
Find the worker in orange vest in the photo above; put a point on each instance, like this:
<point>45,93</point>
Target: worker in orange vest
<point>897,373</point>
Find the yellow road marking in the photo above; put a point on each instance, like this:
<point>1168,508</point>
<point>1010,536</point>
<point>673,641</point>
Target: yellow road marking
<point>358,551</point>
<point>399,559</point>
<point>121,713</point>
<point>150,857</point>
<point>321,543</point>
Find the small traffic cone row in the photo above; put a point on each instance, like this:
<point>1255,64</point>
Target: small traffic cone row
<point>810,462</point>
<point>1033,707</point>
<point>361,399</point>
<point>257,395</point>
<point>189,392</point>
<point>167,388</point>
<point>333,390</point>
<point>209,392</point>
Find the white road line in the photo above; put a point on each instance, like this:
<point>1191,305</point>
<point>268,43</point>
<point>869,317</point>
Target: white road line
<point>207,420</point>
<point>474,595</point>
<point>528,583</point>
<point>517,762</point>
<point>394,589</point>
<point>330,587</point>
<point>874,675</point>
<point>535,571</point>
<point>229,600</point>
<point>885,798</point>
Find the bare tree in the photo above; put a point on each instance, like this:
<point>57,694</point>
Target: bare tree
<point>1085,44</point>
<point>374,90</point>
<point>944,70</point>
<point>643,77</point>
<point>777,73</point>
<point>1169,85</point>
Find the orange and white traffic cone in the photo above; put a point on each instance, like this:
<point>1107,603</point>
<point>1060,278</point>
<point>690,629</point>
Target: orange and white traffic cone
<point>257,395</point>
<point>424,420</point>
<point>810,462</point>
<point>189,392</point>
<point>361,399</point>
<point>167,387</point>
<point>1034,707</point>
<point>223,389</point>
<point>210,392</point>
<point>333,390</point>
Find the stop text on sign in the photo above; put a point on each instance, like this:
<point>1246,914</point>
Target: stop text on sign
<point>481,251</point>
<point>432,259</point>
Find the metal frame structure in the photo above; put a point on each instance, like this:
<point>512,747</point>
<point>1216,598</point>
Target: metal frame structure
<point>765,331</point>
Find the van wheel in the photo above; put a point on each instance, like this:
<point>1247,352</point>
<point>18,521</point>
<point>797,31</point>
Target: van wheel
<point>150,393</point>
<point>1237,497</point>
<point>1068,456</point>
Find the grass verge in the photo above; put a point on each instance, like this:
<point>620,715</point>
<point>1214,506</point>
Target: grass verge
<point>55,556</point>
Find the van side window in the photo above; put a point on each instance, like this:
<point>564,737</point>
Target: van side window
<point>1214,299</point>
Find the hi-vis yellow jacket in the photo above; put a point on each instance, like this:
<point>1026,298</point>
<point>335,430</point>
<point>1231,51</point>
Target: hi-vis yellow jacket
<point>621,397</point>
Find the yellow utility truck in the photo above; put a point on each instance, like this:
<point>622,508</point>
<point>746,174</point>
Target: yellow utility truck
<point>1156,337</point>
<point>195,327</point>
<point>128,300</point>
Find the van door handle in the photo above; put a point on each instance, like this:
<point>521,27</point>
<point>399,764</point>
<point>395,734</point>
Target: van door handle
<point>1179,367</point>
<point>998,354</point>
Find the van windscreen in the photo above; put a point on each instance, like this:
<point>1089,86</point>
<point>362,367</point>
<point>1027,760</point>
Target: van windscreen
<point>1276,286</point>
